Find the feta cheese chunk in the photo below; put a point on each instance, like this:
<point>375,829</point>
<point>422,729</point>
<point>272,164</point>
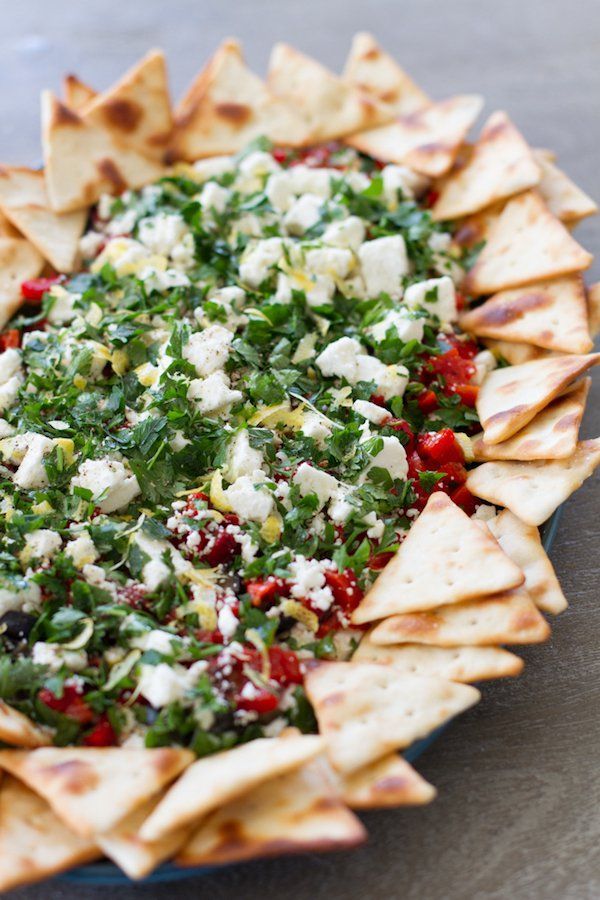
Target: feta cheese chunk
<point>112,485</point>
<point>82,550</point>
<point>308,576</point>
<point>384,263</point>
<point>437,296</point>
<point>28,451</point>
<point>347,358</point>
<point>41,544</point>
<point>401,178</point>
<point>213,167</point>
<point>213,394</point>
<point>348,233</point>
<point>156,570</point>
<point>485,362</point>
<point>259,260</point>
<point>162,684</point>
<point>392,458</point>
<point>303,214</point>
<point>392,382</point>
<point>339,359</point>
<point>316,427</point>
<point>314,481</point>
<point>248,499</point>
<point>11,377</point>
<point>162,233</point>
<point>214,197</point>
<point>406,326</point>
<point>334,261</point>
<point>54,657</point>
<point>62,309</point>
<point>19,594</point>
<point>370,411</point>
<point>208,350</point>
<point>242,459</point>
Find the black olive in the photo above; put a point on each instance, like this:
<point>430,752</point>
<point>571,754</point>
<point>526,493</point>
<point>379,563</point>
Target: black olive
<point>16,625</point>
<point>232,581</point>
<point>286,623</point>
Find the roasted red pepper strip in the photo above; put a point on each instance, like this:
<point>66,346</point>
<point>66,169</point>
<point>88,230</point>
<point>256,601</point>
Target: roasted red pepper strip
<point>34,289</point>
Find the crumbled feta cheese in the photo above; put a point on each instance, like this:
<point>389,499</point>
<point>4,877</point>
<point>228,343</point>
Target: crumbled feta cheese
<point>90,244</point>
<point>392,382</point>
<point>82,550</point>
<point>400,178</point>
<point>162,684</point>
<point>112,485</point>
<point>485,362</point>
<point>213,394</point>
<point>375,414</point>
<point>54,657</point>
<point>63,306</point>
<point>406,326</point>
<point>314,481</point>
<point>208,350</point>
<point>280,191</point>
<point>242,459</point>
<point>384,263</point>
<point>213,167</point>
<point>6,430</point>
<point>9,392</point>
<point>348,233</point>
<point>376,526</point>
<point>11,377</point>
<point>19,594</point>
<point>227,622</point>
<point>214,197</point>
<point>311,180</point>
<point>28,451</point>
<point>42,544</point>
<point>259,260</point>
<point>303,214</point>
<point>156,639</point>
<point>340,359</point>
<point>316,427</point>
<point>257,165</point>
<point>155,571</point>
<point>436,296</point>
<point>250,501</point>
<point>309,581</point>
<point>334,261</point>
<point>392,458</point>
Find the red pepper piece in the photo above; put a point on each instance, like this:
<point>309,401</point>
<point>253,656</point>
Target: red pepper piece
<point>402,425</point>
<point>427,401</point>
<point>34,289</point>
<point>264,590</point>
<point>467,393</point>
<point>465,499</point>
<point>10,338</point>
<point>71,704</point>
<point>101,735</point>
<point>453,368</point>
<point>263,701</point>
<point>223,550</point>
<point>379,561</point>
<point>345,589</point>
<point>436,447</point>
<point>285,666</point>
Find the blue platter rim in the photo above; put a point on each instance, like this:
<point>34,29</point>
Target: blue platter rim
<point>107,873</point>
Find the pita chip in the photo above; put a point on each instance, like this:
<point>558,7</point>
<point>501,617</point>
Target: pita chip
<point>564,199</point>
<point>464,664</point>
<point>387,782</point>
<point>19,261</point>
<point>426,141</point>
<point>507,618</point>
<point>366,710</point>
<point>445,558</point>
<point>515,354</point>
<point>330,106</point>
<point>526,243</point>
<point>549,314</point>
<point>552,434</point>
<point>593,306</point>
<point>18,730</point>
<point>215,780</point>
<point>7,229</point>
<point>83,161</point>
<point>91,789</point>
<point>475,229</point>
<point>137,109</point>
<point>509,398</point>
<point>533,490</point>
<point>34,843</point>
<point>502,164</point>
<point>373,71</point>
<point>299,812</point>
<point>523,544</point>
<point>76,93</point>
<point>24,200</point>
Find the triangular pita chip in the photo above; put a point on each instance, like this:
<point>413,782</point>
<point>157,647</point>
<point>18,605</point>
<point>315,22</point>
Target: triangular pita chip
<point>550,314</point>
<point>427,140</point>
<point>373,71</point>
<point>387,782</point>
<point>464,664</point>
<point>552,434</point>
<point>137,109</point>
<point>562,196</point>
<point>593,305</point>
<point>509,398</point>
<point>19,260</point>
<point>92,789</point>
<point>533,490</point>
<point>215,780</point>
<point>18,730</point>
<point>299,812</point>
<point>522,543</point>
<point>526,243</point>
<point>445,558</point>
<point>137,858</point>
<point>76,93</point>
<point>475,229</point>
<point>330,107</point>
<point>366,710</point>
<point>507,618</point>
<point>24,200</point>
<point>501,165</point>
<point>515,354</point>
<point>227,106</point>
<point>7,229</point>
<point>34,843</point>
<point>83,161</point>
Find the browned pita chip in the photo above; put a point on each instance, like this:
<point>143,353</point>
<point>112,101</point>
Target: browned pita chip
<point>227,106</point>
<point>533,490</point>
<point>34,843</point>
<point>373,71</point>
<point>19,260</point>
<point>549,314</point>
<point>507,618</point>
<point>7,229</point>
<point>526,243</point>
<point>509,398</point>
<point>366,710</point>
<point>330,106</point>
<point>83,161</point>
<point>91,789</point>
<point>297,812</point>
<point>137,109</point>
<point>427,140</point>
<point>23,198</point>
<point>522,543</point>
<point>500,165</point>
<point>552,434</point>
<point>515,354</point>
<point>593,305</point>
<point>564,199</point>
<point>387,782</point>
<point>76,94</point>
<point>464,664</point>
<point>19,731</point>
<point>445,558</point>
<point>475,229</point>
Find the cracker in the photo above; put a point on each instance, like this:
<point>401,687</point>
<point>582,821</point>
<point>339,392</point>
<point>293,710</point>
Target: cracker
<point>18,730</point>
<point>562,196</point>
<point>464,664</point>
<point>387,782</point>
<point>19,261</point>
<point>374,72</point>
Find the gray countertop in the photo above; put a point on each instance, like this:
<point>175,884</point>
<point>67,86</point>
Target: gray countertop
<point>519,794</point>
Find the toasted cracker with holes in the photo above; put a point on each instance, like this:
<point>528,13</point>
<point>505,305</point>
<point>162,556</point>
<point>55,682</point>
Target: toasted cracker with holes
<point>509,398</point>
<point>24,200</point>
<point>76,93</point>
<point>523,544</point>
<point>445,558</point>
<point>593,307</point>
<point>533,490</point>
<point>83,161</point>
<point>227,106</point>
<point>506,618</point>
<point>18,730</point>
<point>464,664</point>
<point>297,812</point>
<point>366,710</point>
<point>387,782</point>
<point>34,843</point>
<point>552,434</point>
<point>216,780</point>
<point>374,72</point>
<point>19,261</point>
<point>526,243</point>
<point>550,314</point>
<point>564,199</point>
<point>91,789</point>
<point>427,141</point>
<point>501,164</point>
